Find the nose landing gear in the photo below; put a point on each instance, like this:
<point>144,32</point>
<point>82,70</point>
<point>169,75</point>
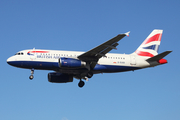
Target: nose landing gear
<point>31,76</point>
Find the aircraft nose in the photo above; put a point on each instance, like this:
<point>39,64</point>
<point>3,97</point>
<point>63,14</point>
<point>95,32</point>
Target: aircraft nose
<point>10,60</point>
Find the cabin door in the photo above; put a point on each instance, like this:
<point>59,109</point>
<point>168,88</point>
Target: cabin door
<point>133,60</point>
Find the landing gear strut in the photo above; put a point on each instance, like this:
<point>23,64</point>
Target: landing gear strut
<point>31,76</point>
<point>81,83</point>
<point>89,74</point>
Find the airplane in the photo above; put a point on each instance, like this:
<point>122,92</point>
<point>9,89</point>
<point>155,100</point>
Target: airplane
<point>83,65</point>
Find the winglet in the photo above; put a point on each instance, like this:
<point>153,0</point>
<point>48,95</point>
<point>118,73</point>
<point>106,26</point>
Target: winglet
<point>127,34</point>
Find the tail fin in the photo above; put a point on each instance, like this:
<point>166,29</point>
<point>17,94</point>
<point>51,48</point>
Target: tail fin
<point>150,46</point>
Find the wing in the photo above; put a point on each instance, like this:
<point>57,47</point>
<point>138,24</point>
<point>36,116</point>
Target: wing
<point>92,56</point>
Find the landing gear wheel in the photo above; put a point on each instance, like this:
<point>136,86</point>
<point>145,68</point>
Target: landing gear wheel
<point>32,72</point>
<point>31,77</point>
<point>81,84</point>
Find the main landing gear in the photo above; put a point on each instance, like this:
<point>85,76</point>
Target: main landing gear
<point>81,83</point>
<point>31,76</point>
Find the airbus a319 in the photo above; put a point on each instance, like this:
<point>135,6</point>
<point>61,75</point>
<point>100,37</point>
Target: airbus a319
<point>83,65</point>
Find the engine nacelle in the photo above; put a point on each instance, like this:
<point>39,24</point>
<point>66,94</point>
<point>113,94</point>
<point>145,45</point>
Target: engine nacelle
<point>59,78</point>
<point>71,63</point>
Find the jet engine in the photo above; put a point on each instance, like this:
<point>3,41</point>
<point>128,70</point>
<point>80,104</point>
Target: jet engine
<point>71,63</point>
<point>59,77</point>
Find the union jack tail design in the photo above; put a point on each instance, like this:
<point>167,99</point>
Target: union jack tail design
<point>150,46</point>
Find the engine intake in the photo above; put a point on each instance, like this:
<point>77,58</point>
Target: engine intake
<point>59,77</point>
<point>71,63</point>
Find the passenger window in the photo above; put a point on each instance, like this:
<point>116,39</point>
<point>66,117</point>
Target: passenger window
<point>21,53</point>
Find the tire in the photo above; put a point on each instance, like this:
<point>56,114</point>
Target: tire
<point>81,84</point>
<point>31,77</point>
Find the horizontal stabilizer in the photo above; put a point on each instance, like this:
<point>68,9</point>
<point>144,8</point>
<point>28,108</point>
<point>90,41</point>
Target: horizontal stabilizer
<point>159,56</point>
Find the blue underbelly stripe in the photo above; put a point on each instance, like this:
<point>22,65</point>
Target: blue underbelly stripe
<point>55,66</point>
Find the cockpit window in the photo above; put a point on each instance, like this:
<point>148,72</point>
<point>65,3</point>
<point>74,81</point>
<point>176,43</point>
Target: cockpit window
<point>19,53</point>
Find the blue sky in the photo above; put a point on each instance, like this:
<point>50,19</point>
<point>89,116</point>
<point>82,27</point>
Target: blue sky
<point>148,94</point>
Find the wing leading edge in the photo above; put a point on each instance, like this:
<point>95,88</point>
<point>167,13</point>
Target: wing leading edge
<point>92,56</point>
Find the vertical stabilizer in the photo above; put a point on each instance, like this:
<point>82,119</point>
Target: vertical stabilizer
<point>150,46</point>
